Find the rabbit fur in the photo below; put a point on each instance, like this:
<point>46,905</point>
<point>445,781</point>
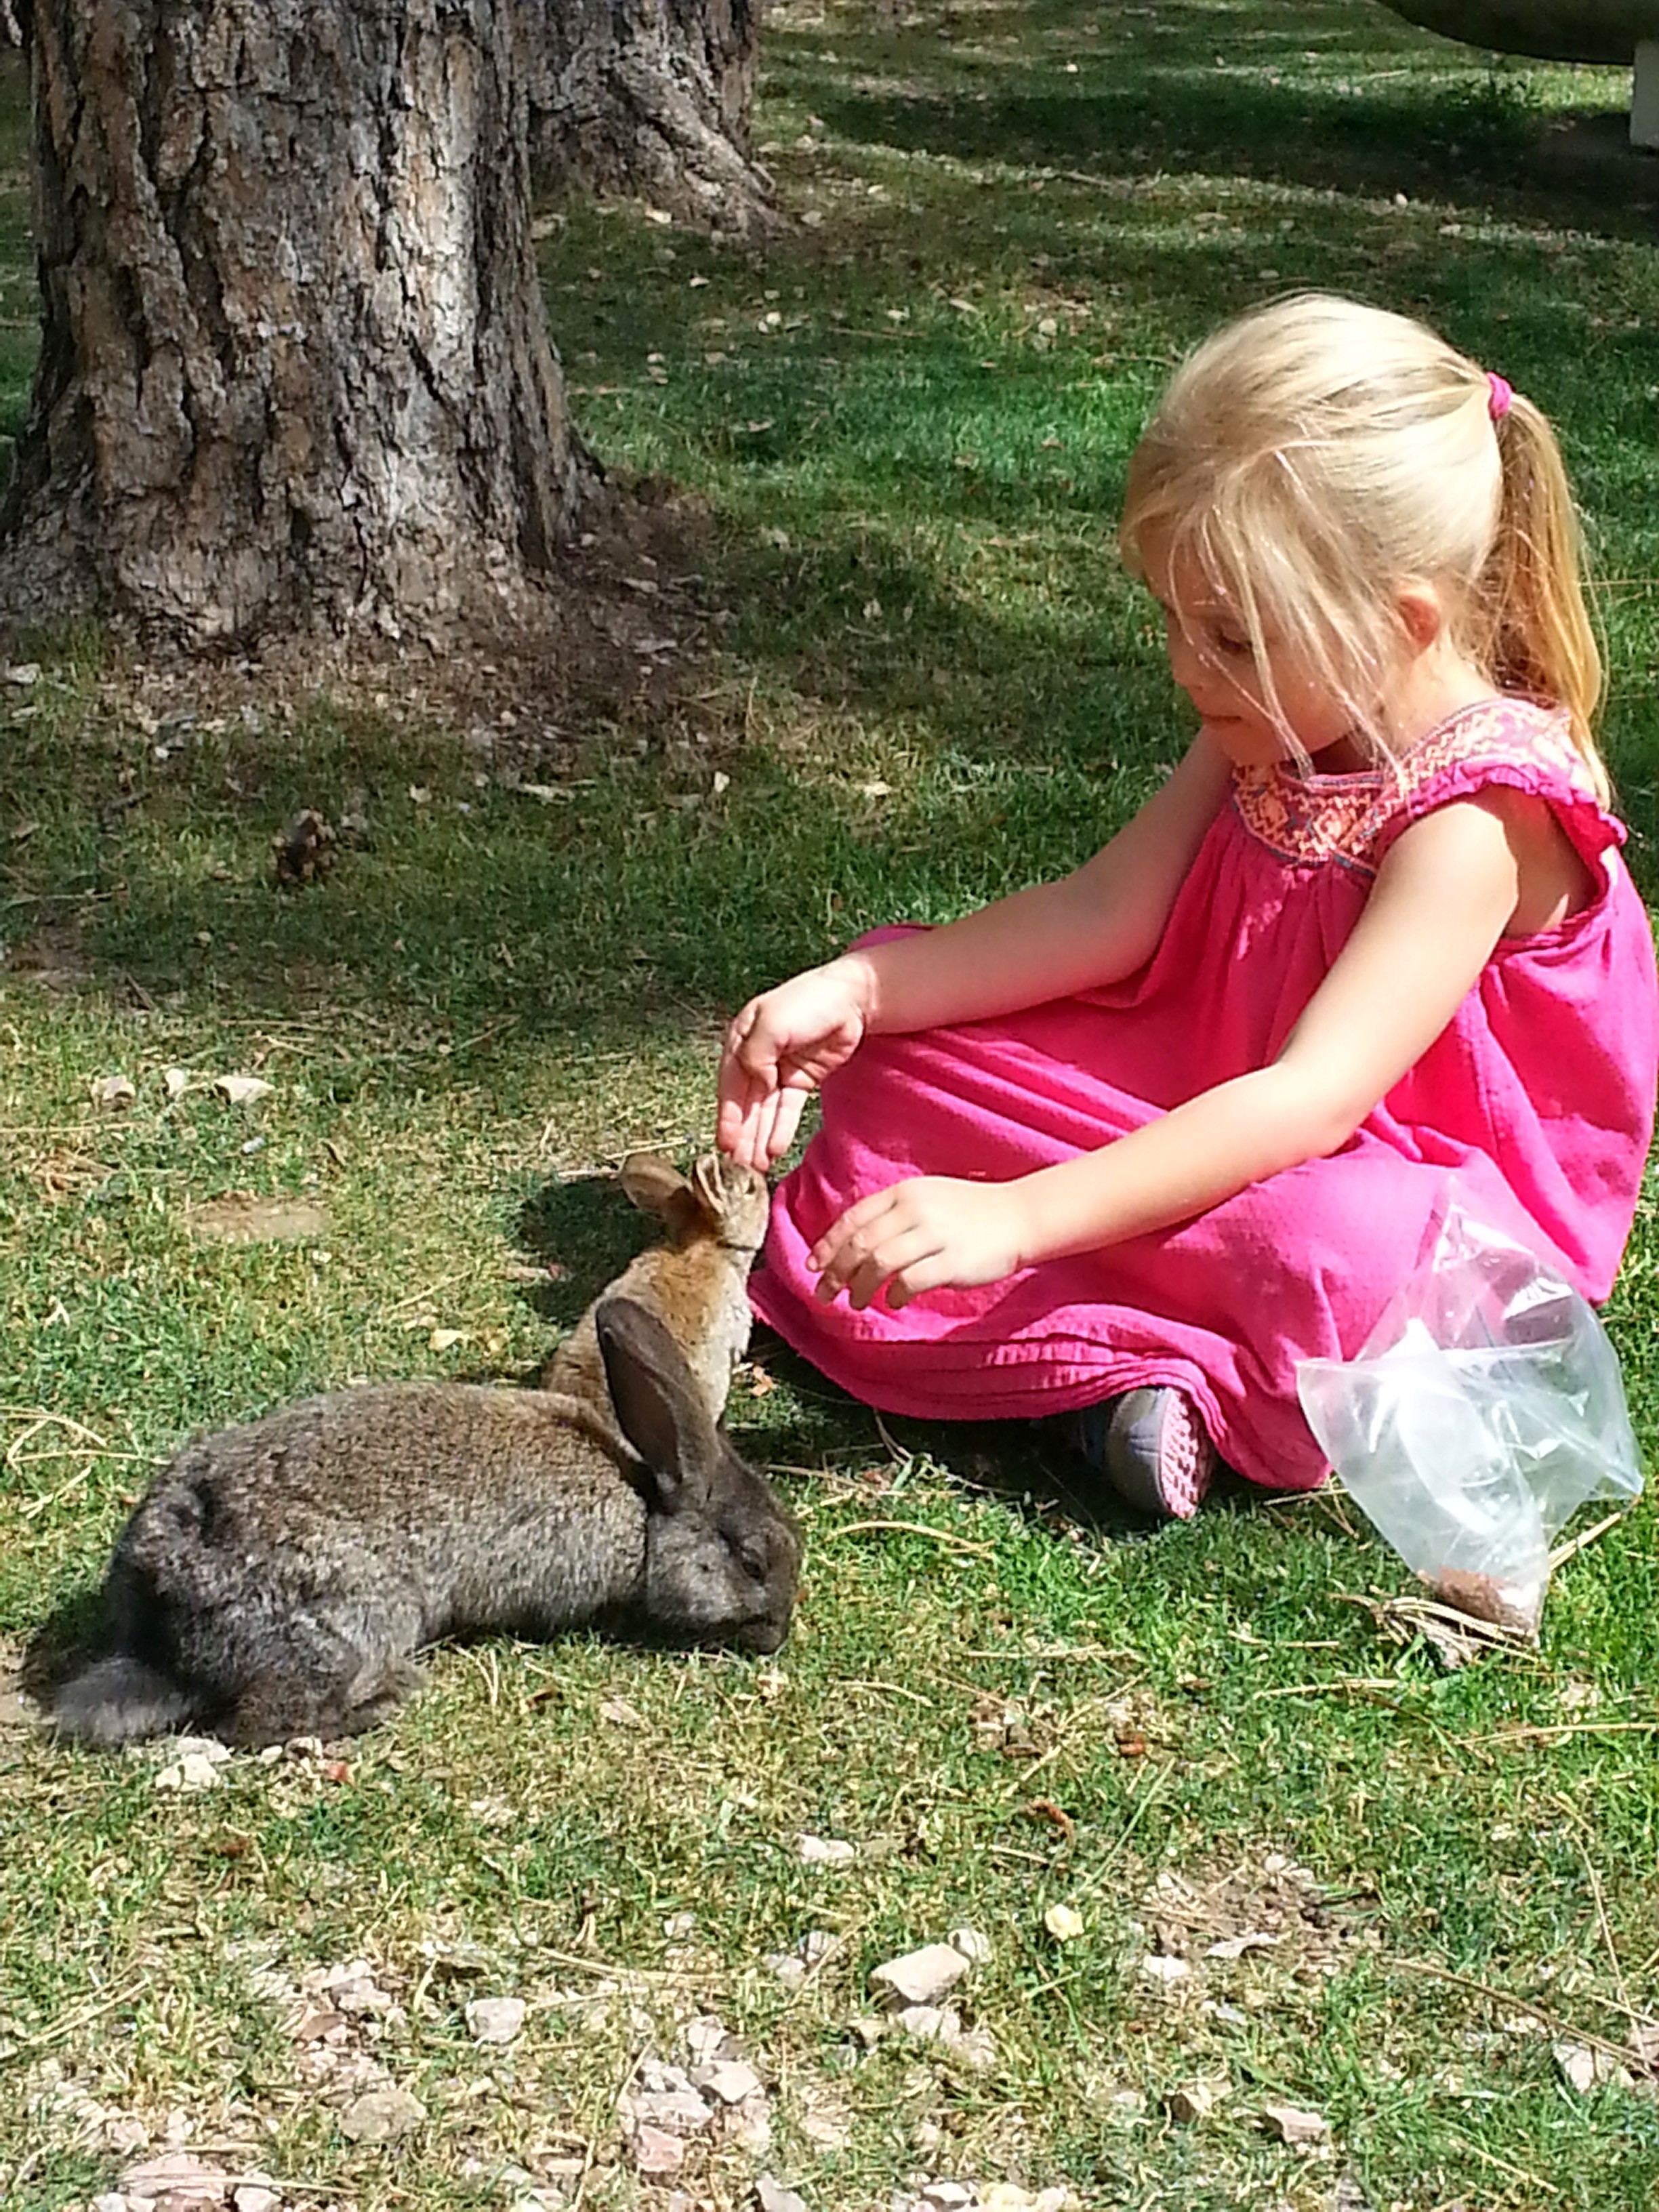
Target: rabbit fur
<point>278,1578</point>
<point>696,1283</point>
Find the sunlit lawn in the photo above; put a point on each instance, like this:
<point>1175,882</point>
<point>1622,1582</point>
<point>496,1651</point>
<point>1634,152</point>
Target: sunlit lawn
<point>908,677</point>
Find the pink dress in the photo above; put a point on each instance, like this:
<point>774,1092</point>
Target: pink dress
<point>1533,1107</point>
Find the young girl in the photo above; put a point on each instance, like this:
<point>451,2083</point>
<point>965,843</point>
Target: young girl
<point>1139,1140</point>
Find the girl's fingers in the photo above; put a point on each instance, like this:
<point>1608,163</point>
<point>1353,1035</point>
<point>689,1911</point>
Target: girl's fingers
<point>865,1263</point>
<point>856,1217</point>
<point>788,1107</point>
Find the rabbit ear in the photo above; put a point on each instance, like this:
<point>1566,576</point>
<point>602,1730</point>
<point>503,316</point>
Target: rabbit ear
<point>656,1186</point>
<point>708,1179</point>
<point>657,1406</point>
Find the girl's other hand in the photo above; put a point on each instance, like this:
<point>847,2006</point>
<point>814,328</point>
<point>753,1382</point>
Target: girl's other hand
<point>932,1233</point>
<point>777,1051</point>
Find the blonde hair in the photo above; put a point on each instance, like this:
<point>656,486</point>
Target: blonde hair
<point>1315,455</point>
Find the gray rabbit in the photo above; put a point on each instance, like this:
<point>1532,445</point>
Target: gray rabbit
<point>278,1578</point>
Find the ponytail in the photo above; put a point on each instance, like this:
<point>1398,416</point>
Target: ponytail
<point>1536,634</point>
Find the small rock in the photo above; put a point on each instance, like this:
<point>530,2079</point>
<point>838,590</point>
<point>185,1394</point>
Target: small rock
<point>495,2020</point>
<point>1006,2197</point>
<point>113,2202</point>
<point>825,1851</point>
<point>772,2196</point>
<point>201,1746</point>
<point>1348,2196</point>
<point>750,2129</point>
<point>973,1945</point>
<point>254,2197</point>
<point>825,2126</point>
<point>673,2108</point>
<point>947,2195</point>
<point>920,1975</point>
<point>929,2023</point>
<point>790,1970</point>
<point>709,2038</point>
<point>192,1773</point>
<point>656,2152</point>
<point>975,2050</point>
<point>1293,2126</point>
<point>1158,1968</point>
<point>1064,1923</point>
<point>731,2080</point>
<point>867,2030</point>
<point>381,2116</point>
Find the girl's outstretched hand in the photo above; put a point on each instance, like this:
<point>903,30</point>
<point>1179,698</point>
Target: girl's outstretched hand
<point>932,1233</point>
<point>777,1051</point>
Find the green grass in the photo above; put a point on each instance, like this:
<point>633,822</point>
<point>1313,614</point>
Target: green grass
<point>921,681</point>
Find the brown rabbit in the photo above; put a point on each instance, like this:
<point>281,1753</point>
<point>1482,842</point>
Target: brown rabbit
<point>696,1283</point>
<point>277,1579</point>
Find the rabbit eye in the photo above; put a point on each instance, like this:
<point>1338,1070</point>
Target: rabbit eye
<point>752,1558</point>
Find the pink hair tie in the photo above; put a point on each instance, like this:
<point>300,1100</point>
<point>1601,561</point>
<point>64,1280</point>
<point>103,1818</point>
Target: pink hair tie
<point>1498,396</point>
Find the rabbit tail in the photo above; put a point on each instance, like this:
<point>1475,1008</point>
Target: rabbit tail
<point>117,1699</point>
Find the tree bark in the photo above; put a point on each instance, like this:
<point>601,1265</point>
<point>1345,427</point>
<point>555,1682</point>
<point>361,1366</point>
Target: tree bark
<point>650,97</point>
<point>294,376</point>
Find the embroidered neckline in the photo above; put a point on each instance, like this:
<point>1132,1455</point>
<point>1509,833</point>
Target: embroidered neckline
<point>1342,816</point>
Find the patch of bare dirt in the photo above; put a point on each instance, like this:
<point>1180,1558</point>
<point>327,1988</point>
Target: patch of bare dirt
<point>1267,1909</point>
<point>240,1219</point>
<point>52,958</point>
<point>620,632</point>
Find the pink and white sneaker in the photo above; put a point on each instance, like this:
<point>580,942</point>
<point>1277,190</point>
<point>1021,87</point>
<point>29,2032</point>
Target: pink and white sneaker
<point>1152,1448</point>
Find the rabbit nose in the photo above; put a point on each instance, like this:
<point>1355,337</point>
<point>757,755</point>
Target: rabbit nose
<point>762,1636</point>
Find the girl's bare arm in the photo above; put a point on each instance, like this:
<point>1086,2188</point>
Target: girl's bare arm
<point>1442,897</point>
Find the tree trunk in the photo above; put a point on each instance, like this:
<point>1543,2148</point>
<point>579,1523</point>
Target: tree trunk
<point>650,98</point>
<point>294,375</point>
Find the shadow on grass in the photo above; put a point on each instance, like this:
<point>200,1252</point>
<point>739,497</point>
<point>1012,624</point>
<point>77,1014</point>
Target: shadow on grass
<point>585,1232</point>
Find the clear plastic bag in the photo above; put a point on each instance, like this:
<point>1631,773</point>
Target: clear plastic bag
<point>1483,1410</point>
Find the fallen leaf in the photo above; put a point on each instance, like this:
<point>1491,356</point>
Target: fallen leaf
<point>178,2177</point>
<point>112,1094</point>
<point>824,1850</point>
<point>241,1090</point>
<point>1584,2069</point>
<point>1235,1946</point>
<point>446,1340</point>
<point>1292,2124</point>
<point>1192,2100</point>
